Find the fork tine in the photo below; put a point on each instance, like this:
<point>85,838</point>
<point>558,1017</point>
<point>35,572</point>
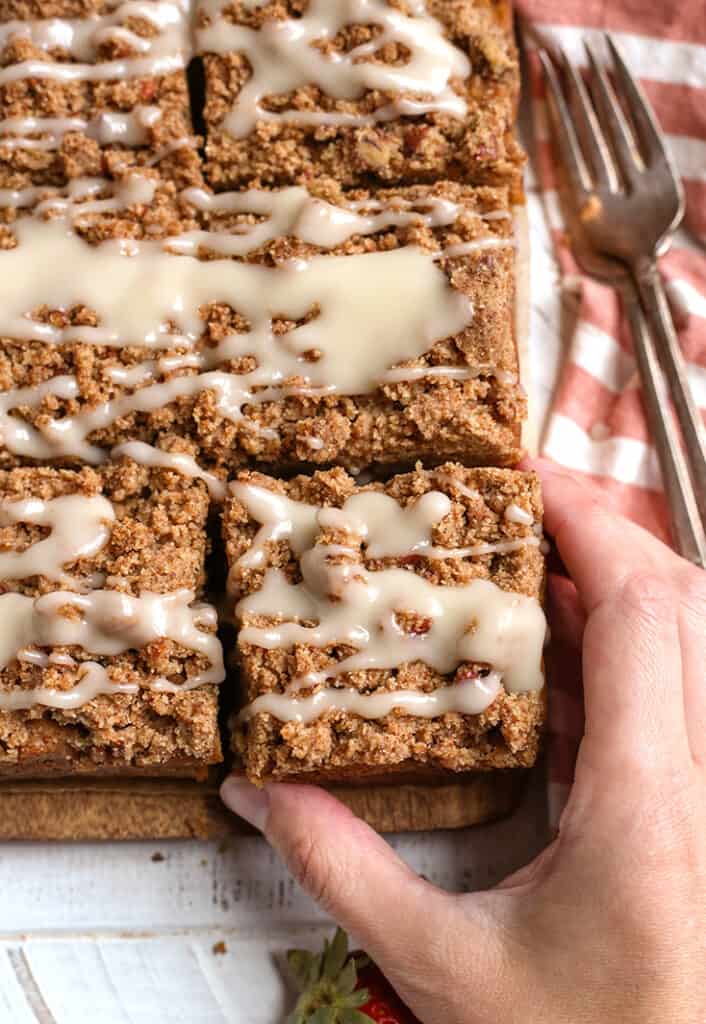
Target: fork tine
<point>612,117</point>
<point>568,142</point>
<point>592,138</point>
<point>649,135</point>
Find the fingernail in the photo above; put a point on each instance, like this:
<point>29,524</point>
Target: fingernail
<point>247,801</point>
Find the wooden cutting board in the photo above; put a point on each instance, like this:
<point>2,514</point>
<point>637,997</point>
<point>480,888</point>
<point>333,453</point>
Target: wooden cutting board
<point>85,809</point>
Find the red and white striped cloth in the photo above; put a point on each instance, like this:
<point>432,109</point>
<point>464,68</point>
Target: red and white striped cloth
<point>596,425</point>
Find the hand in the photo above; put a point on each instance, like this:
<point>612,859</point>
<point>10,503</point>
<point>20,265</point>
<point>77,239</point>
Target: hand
<point>608,924</point>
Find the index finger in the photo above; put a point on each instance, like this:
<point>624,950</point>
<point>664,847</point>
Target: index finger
<point>600,548</point>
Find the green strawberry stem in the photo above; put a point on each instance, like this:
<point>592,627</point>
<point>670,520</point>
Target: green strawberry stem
<point>327,982</point>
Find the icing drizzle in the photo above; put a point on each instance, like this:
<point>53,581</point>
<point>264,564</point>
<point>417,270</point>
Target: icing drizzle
<point>101,622</point>
<point>373,311</point>
<point>283,58</point>
<point>107,623</point>
<point>389,616</point>
<point>166,49</point>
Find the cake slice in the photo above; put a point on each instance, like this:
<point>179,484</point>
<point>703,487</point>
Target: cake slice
<point>387,92</point>
<point>313,326</point>
<point>94,90</point>
<point>387,630</point>
<point>109,662</point>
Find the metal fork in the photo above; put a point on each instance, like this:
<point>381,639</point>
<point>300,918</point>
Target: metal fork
<point>625,200</point>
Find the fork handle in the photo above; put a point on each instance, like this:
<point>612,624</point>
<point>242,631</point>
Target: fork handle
<point>687,526</point>
<point>656,308</point>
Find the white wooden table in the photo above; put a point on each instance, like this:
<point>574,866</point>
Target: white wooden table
<point>125,933</point>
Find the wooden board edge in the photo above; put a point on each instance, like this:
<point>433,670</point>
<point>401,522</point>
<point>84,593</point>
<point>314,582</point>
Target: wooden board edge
<point>160,810</point>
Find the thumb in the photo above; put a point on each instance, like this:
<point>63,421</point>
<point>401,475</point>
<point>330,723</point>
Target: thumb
<point>343,864</point>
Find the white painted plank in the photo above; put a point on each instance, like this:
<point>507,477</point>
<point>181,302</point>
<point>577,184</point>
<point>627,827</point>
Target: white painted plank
<point>109,888</point>
<point>72,982</point>
<point>13,1001</point>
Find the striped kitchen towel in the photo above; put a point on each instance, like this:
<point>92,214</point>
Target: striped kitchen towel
<point>596,425</point>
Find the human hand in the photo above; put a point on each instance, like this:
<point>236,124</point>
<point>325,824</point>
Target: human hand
<point>608,924</point>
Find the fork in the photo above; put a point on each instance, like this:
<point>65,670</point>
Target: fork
<point>625,200</point>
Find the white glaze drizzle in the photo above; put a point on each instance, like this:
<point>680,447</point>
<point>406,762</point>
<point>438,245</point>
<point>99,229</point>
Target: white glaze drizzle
<point>106,128</point>
<point>386,528</point>
<point>80,526</point>
<point>107,71</point>
<point>180,462</point>
<point>389,529</point>
<point>169,49</point>
<point>190,283</point>
<point>376,310</point>
<point>474,622</point>
<point>76,201</point>
<point>476,245</point>
<point>514,513</point>
<point>76,190</point>
<point>184,142</point>
<point>281,517</point>
<point>283,59</point>
<point>93,682</point>
<point>401,374</point>
<point>315,443</point>
<point>464,489</point>
<point>294,211</point>
<point>108,623</point>
<point>348,604</point>
<point>470,697</point>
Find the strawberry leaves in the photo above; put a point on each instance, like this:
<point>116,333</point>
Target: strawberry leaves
<point>328,984</point>
<point>335,954</point>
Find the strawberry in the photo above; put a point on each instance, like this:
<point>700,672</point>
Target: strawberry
<point>383,1005</point>
<point>338,987</point>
